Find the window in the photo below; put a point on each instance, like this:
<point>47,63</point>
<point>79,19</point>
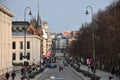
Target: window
<point>28,44</point>
<point>14,56</point>
<point>28,56</point>
<point>14,28</point>
<point>21,56</point>
<point>20,28</point>
<point>14,45</point>
<point>21,45</point>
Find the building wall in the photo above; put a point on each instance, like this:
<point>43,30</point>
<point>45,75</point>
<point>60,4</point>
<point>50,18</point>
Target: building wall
<point>34,49</point>
<point>5,39</point>
<point>44,46</point>
<point>49,44</point>
<point>48,39</point>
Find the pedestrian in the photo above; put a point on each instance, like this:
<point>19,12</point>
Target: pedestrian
<point>7,75</point>
<point>119,74</point>
<point>89,67</point>
<point>113,70</point>
<point>78,67</point>
<point>22,71</point>
<point>92,68</point>
<point>13,74</point>
<point>110,78</point>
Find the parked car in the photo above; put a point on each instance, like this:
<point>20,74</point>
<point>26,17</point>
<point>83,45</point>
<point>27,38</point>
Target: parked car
<point>53,65</point>
<point>65,64</point>
<point>47,65</point>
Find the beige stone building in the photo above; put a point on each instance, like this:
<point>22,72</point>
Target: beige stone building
<point>32,48</point>
<point>5,39</point>
<point>45,37</point>
<point>48,36</point>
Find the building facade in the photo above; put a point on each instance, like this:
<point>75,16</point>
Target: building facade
<point>48,34</point>
<point>32,51</point>
<point>5,39</point>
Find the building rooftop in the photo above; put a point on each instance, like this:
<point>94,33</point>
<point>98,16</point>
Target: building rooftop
<point>6,10</point>
<point>20,23</point>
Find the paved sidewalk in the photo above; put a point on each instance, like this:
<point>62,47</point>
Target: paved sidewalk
<point>104,75</point>
<point>17,70</point>
<point>38,76</point>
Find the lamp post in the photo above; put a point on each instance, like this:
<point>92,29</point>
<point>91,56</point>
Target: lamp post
<point>25,56</point>
<point>93,43</point>
<point>41,50</point>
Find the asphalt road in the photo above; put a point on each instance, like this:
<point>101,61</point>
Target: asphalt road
<point>67,74</point>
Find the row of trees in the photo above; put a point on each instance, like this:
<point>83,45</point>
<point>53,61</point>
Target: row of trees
<point>107,37</point>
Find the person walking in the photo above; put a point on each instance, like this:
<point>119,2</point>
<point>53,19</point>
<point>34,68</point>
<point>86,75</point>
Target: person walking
<point>78,66</point>
<point>7,75</point>
<point>13,74</point>
<point>110,78</point>
<point>22,71</point>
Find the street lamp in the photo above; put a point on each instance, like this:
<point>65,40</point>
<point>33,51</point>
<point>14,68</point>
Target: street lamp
<point>25,56</point>
<point>41,50</point>
<point>93,43</point>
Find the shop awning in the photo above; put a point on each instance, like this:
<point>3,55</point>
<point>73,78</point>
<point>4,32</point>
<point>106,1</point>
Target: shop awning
<point>47,54</point>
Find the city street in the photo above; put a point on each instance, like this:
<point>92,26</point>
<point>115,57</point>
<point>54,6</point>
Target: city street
<point>40,39</point>
<point>67,74</point>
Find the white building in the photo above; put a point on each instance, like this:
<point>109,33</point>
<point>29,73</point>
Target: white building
<point>47,40</point>
<point>5,39</point>
<point>32,50</point>
<point>44,42</point>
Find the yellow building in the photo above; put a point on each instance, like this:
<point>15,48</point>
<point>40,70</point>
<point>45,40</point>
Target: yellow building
<point>5,39</point>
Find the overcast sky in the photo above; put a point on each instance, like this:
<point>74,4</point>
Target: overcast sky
<point>61,15</point>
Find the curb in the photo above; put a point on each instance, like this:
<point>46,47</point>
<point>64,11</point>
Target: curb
<point>77,73</point>
<point>39,75</point>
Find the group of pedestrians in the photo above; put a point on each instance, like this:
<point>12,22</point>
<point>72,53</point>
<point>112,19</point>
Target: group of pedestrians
<point>115,71</point>
<point>92,67</point>
<point>7,75</point>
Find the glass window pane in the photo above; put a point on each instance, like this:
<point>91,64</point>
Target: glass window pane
<point>14,45</point>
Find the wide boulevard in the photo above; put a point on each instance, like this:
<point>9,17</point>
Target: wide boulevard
<point>67,73</point>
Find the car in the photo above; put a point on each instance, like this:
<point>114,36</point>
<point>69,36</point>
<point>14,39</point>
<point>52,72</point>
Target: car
<point>65,64</point>
<point>52,65</point>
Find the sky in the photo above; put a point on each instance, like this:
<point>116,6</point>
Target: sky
<point>61,15</point>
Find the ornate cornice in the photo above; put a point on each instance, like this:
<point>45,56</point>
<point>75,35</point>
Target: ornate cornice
<point>6,10</point>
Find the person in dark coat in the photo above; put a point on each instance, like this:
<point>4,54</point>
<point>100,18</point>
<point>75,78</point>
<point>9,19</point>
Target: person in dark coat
<point>13,74</point>
<point>7,75</point>
<point>113,70</point>
<point>110,78</point>
<point>22,71</point>
<point>78,66</point>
